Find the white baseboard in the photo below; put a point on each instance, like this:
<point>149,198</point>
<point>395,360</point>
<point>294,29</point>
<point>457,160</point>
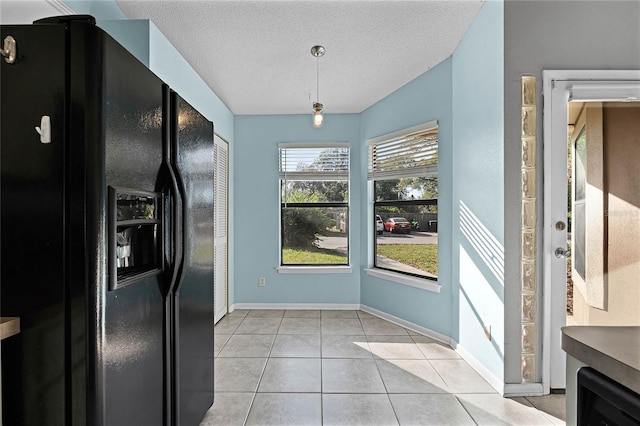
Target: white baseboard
<point>409,325</point>
<point>504,389</point>
<point>495,382</point>
<point>523,389</point>
<point>325,306</point>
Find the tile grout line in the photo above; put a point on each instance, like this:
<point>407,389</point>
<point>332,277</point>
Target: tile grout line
<point>464,408</point>
<point>375,361</point>
<point>264,368</point>
<point>253,398</point>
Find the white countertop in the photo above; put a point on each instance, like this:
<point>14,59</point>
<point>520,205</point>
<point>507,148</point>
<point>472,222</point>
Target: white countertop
<point>613,351</point>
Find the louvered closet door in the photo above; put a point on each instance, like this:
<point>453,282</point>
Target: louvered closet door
<point>221,183</point>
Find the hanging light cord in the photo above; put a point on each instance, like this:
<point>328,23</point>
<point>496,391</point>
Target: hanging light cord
<point>317,78</point>
<point>317,51</point>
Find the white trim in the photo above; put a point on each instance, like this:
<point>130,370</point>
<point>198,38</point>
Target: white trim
<point>594,92</point>
<point>560,83</point>
<point>409,280</point>
<point>284,145</point>
<point>315,176</point>
<point>298,306</point>
<point>547,245</point>
<point>504,389</point>
<point>340,176</point>
<point>408,325</point>
<point>404,132</point>
<point>483,371</point>
<point>523,389</point>
<point>591,75</point>
<point>60,7</point>
<point>314,269</point>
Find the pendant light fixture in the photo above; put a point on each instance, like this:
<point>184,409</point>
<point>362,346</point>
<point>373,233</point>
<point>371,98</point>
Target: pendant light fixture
<point>318,119</point>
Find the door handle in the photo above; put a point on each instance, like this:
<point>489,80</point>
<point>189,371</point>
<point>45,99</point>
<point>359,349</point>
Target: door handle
<point>560,253</point>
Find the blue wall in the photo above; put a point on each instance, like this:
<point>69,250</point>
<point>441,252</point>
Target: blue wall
<point>478,189</point>
<point>172,68</point>
<point>133,34</point>
<point>143,39</point>
<point>426,98</point>
<point>257,207</point>
<point>99,9</point>
<point>464,94</point>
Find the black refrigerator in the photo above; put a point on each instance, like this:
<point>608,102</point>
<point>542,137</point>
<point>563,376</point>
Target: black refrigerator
<point>106,222</point>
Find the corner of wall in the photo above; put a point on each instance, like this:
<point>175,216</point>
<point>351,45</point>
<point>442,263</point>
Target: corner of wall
<point>166,62</point>
<point>100,9</point>
<point>132,34</point>
<point>428,97</point>
<point>478,190</point>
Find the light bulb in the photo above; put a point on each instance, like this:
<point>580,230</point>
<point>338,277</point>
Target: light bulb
<point>318,118</point>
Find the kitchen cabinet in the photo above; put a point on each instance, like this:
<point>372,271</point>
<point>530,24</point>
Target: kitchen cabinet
<point>611,351</point>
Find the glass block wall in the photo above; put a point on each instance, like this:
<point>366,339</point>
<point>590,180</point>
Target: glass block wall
<point>529,221</point>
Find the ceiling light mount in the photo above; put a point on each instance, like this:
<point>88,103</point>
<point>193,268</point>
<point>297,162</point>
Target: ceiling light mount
<point>317,51</point>
<point>318,118</point>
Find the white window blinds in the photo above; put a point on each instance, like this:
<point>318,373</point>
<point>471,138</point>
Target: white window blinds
<point>409,153</point>
<point>314,161</point>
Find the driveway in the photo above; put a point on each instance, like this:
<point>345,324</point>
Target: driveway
<point>340,244</point>
<point>420,237</point>
<point>332,243</point>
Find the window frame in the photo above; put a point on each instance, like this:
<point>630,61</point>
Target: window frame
<point>328,176</point>
<point>404,277</point>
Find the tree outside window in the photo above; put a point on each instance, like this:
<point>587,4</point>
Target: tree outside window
<point>314,196</point>
<point>403,170</point>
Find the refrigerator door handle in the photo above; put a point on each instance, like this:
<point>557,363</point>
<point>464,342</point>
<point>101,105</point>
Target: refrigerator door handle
<point>181,216</point>
<point>172,188</point>
<point>176,225</point>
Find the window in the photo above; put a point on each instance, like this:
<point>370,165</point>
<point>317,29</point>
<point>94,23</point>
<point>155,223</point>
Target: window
<point>403,168</point>
<point>314,204</point>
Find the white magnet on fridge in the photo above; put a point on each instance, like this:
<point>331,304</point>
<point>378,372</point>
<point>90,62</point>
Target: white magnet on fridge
<point>45,129</point>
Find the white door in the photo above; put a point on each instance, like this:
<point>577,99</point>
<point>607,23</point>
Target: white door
<point>221,225</point>
<point>560,88</point>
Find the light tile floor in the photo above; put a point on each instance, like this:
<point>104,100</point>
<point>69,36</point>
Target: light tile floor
<point>311,367</point>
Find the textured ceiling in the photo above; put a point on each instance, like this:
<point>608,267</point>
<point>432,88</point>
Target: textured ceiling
<point>255,55</point>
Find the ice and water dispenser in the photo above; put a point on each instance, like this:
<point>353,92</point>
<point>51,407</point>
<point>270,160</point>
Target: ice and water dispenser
<point>135,246</point>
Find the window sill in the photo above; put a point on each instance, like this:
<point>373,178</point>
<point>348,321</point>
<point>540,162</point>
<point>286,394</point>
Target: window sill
<point>314,270</point>
<point>420,283</point>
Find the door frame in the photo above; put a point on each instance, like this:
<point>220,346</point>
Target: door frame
<point>218,142</point>
<point>559,87</point>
